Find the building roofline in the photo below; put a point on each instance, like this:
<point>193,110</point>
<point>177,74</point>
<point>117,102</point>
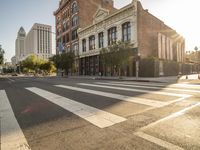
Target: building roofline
<point>110,15</point>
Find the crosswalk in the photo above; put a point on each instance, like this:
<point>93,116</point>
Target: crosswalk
<point>93,115</point>
<point>12,136</point>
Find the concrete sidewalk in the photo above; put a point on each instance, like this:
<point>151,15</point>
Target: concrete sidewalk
<point>169,79</point>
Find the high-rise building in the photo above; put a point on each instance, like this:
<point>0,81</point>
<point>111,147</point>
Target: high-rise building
<point>73,15</point>
<point>19,44</point>
<point>39,41</point>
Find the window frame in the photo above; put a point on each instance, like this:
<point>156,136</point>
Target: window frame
<point>92,42</point>
<point>101,39</point>
<point>112,35</point>
<point>126,32</point>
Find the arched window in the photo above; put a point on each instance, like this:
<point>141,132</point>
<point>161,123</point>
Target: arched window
<point>112,35</point>
<point>126,31</point>
<point>74,21</point>
<point>74,7</point>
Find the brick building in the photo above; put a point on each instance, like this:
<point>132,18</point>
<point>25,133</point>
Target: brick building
<point>160,47</point>
<point>72,15</point>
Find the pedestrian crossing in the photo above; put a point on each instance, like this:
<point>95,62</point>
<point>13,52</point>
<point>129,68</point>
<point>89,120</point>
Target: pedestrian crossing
<point>149,87</point>
<point>135,90</point>
<point>93,115</point>
<point>12,137</point>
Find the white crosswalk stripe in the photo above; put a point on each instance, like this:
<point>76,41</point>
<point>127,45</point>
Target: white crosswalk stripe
<point>12,137</point>
<point>148,87</point>
<point>176,85</point>
<point>143,101</point>
<point>137,90</point>
<point>93,115</point>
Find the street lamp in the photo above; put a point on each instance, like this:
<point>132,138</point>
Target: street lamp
<point>137,65</point>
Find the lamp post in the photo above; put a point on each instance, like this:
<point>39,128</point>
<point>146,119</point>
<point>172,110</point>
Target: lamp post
<point>137,65</point>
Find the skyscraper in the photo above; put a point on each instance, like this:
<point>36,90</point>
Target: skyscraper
<point>39,41</point>
<point>19,44</point>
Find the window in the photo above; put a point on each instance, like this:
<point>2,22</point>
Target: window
<point>126,31</point>
<point>75,48</point>
<point>64,40</point>
<point>84,45</point>
<point>74,8</point>
<point>92,42</point>
<point>112,35</point>
<point>101,37</point>
<point>65,26</point>
<point>74,35</point>
<point>74,21</point>
<point>67,38</point>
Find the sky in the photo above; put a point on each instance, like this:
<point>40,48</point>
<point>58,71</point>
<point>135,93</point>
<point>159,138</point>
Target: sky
<point>181,15</point>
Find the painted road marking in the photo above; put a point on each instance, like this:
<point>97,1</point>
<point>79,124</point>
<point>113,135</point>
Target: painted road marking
<point>95,116</point>
<point>177,85</point>
<point>12,137</point>
<point>174,115</point>
<point>141,83</point>
<point>191,86</point>
<point>136,90</point>
<point>149,87</point>
<point>143,101</point>
<point>157,141</point>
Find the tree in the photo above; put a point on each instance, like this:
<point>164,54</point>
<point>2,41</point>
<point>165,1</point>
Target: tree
<point>1,55</point>
<point>64,61</point>
<point>116,55</point>
<point>32,63</point>
<point>48,67</point>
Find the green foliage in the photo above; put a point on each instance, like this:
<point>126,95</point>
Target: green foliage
<point>34,64</point>
<point>48,67</point>
<point>1,55</point>
<point>117,55</point>
<point>64,61</point>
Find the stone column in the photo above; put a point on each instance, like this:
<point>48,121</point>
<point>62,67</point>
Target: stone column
<point>119,33</point>
<point>96,41</point>
<point>105,33</point>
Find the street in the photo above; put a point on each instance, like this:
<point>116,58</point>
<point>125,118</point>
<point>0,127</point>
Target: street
<point>52,113</point>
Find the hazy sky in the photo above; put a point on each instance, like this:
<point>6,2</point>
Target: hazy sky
<point>181,15</point>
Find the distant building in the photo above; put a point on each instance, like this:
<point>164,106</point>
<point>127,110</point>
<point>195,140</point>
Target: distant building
<point>159,45</point>
<point>39,41</point>
<point>20,44</point>
<point>14,60</point>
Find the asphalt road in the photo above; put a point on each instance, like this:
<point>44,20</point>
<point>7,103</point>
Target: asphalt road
<point>79,114</point>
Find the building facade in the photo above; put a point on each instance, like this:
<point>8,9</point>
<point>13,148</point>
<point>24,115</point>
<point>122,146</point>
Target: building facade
<point>106,29</point>
<point>146,33</point>
<point>39,41</point>
<point>20,44</point>
<point>72,15</point>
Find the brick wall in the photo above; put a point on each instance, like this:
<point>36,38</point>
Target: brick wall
<point>89,8</point>
<point>148,28</point>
